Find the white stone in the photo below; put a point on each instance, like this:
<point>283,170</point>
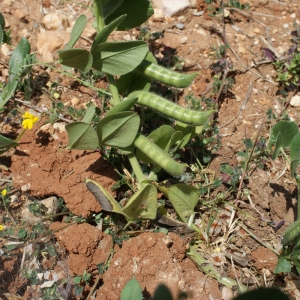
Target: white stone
<point>20,13</point>
<point>295,101</point>
<point>128,37</point>
<point>5,50</point>
<point>183,40</point>
<point>47,284</point>
<point>202,32</point>
<point>286,25</point>
<point>55,21</point>
<point>171,7</point>
<point>293,15</point>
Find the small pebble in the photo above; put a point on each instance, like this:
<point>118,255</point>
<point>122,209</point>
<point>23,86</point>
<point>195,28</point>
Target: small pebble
<point>181,19</point>
<point>183,40</point>
<point>180,26</point>
<point>293,15</point>
<point>256,30</point>
<point>198,13</point>
<point>285,25</point>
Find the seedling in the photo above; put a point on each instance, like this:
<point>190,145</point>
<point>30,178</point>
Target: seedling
<point>120,128</point>
<point>285,134</point>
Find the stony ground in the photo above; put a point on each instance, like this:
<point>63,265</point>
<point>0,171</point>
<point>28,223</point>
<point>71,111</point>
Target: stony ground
<point>41,167</point>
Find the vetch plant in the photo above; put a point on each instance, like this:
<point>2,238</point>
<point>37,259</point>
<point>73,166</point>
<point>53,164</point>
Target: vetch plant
<point>130,68</point>
<point>285,134</point>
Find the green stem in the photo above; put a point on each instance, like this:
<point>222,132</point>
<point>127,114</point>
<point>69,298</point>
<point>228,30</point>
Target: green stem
<point>298,188</point>
<point>136,169</point>
<point>98,11</point>
<point>20,135</point>
<point>285,156</point>
<point>210,270</point>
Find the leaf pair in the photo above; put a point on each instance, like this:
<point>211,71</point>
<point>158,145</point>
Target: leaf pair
<point>142,205</point>
<point>116,130</point>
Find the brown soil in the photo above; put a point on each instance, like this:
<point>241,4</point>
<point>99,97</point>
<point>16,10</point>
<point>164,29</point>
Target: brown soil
<point>42,166</point>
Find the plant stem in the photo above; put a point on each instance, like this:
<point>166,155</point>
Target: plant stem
<point>210,270</point>
<point>110,78</point>
<point>285,156</point>
<point>298,202</point>
<point>136,169</point>
<point>20,135</point>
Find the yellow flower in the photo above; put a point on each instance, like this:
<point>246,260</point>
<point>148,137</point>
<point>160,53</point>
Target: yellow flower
<point>4,192</point>
<point>29,120</point>
<point>1,227</point>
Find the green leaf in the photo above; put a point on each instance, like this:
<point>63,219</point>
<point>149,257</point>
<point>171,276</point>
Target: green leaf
<point>118,58</point>
<point>77,30</point>
<point>132,290</point>
<point>119,129</point>
<point>186,130</point>
<point>184,198</point>
<point>160,137</point>
<point>294,165</point>
<point>124,105</point>
<point>82,136</point>
<point>111,6</point>
<point>1,36</point>
<point>137,13</point>
<point>287,129</point>
<point>277,147</point>
<point>107,202</point>
<point>162,293</point>
<point>291,234</point>
<point>80,59</point>
<point>295,147</point>
<point>89,114</point>
<point>6,143</point>
<point>263,294</point>
<point>17,58</point>
<point>2,21</point>
<point>132,81</point>
<point>8,92</point>
<point>77,279</point>
<point>142,205</point>
<point>22,234</point>
<point>283,266</point>
<point>102,36</point>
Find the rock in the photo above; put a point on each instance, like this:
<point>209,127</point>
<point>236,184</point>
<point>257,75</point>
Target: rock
<point>170,7</point>
<point>129,37</point>
<point>182,19</point>
<point>49,41</point>
<point>51,205</point>
<point>183,40</point>
<point>202,32</point>
<point>179,26</point>
<point>158,15</point>
<point>5,50</point>
<point>55,21</point>
<point>295,101</point>
<point>20,13</point>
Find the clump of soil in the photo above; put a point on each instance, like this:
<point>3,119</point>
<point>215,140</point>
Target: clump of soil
<point>43,166</point>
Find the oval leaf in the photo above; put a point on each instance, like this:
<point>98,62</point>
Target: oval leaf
<point>137,13</point>
<point>82,136</point>
<point>124,105</point>
<point>77,30</point>
<point>6,143</point>
<point>118,58</point>
<point>291,234</point>
<point>119,129</point>
<point>80,59</point>
<point>104,34</point>
<point>184,198</point>
<point>142,205</point>
<point>107,202</point>
<point>89,114</point>
<point>287,129</point>
<point>132,290</point>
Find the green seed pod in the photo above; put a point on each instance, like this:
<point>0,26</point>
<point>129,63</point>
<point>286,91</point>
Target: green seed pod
<point>165,76</point>
<point>159,156</point>
<point>171,109</point>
